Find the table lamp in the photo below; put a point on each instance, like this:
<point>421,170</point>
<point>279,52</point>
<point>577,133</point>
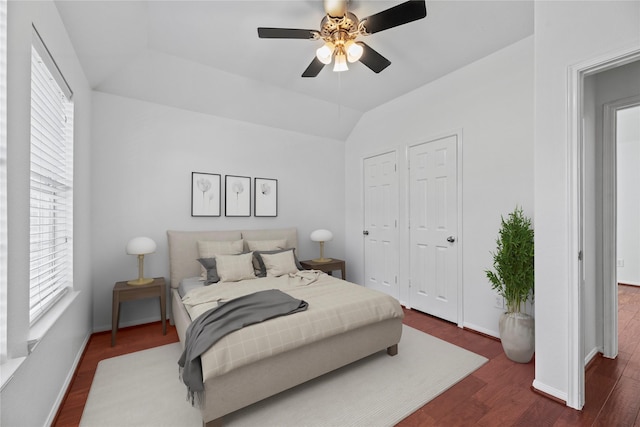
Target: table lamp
<point>140,246</point>
<point>321,236</point>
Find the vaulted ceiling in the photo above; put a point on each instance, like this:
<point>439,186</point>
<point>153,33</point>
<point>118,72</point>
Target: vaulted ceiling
<point>205,55</point>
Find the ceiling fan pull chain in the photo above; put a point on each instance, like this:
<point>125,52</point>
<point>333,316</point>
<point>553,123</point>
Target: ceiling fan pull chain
<point>339,96</point>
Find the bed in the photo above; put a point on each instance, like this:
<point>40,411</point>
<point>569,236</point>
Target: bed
<point>362,322</point>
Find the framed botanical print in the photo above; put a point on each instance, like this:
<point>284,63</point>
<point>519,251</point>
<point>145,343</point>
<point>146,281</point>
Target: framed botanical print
<point>205,194</point>
<point>265,202</point>
<point>237,195</point>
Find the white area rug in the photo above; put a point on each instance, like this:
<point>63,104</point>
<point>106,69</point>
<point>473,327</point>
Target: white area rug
<point>143,389</point>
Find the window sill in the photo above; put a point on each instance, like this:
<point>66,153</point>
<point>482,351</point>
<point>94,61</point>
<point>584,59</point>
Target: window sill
<point>7,369</point>
<point>36,333</point>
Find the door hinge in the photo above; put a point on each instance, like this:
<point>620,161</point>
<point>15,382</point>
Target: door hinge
<point>579,255</point>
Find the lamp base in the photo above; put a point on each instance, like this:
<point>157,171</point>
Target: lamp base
<point>322,260</point>
<point>140,281</point>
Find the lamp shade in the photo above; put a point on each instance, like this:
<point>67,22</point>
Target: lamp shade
<point>321,235</point>
<point>324,53</point>
<point>354,51</point>
<point>340,62</point>
<point>141,246</point>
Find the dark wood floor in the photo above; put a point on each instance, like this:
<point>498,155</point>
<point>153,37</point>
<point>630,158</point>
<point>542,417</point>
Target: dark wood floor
<point>497,394</point>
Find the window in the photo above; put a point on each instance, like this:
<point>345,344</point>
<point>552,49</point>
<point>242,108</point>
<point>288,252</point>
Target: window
<point>51,194</point>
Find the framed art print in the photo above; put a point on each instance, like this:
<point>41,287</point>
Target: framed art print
<point>265,197</point>
<point>237,195</point>
<point>205,194</point>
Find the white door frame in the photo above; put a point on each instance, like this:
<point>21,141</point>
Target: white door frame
<point>460,237</point>
<point>575,226</point>
<point>610,215</point>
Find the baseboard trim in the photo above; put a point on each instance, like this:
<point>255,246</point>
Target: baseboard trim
<point>549,392</point>
<point>628,283</point>
<point>480,330</point>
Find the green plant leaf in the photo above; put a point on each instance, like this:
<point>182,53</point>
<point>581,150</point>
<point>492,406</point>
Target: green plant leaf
<point>512,276</point>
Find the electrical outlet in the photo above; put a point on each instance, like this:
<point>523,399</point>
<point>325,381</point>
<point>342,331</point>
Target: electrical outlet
<point>620,263</point>
<point>499,302</point>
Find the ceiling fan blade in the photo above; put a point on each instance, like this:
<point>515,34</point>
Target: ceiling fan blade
<point>285,33</point>
<point>373,59</point>
<point>314,68</point>
<point>398,15</point>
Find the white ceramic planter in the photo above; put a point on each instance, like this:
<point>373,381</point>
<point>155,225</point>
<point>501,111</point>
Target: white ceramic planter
<point>517,336</point>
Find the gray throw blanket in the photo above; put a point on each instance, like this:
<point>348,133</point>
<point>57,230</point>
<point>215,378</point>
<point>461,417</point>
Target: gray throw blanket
<point>229,316</point>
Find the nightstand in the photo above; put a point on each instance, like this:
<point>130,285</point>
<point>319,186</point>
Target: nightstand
<point>125,292</point>
<point>328,267</point>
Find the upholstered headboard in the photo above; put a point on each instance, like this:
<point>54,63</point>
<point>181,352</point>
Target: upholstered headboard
<point>183,247</point>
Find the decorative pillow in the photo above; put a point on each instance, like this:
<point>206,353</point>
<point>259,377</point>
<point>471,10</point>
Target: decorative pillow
<point>211,248</point>
<point>212,273</point>
<point>266,245</point>
<point>262,270</point>
<point>232,268</point>
<point>279,263</point>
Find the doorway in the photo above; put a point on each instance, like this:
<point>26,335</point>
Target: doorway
<point>628,201</point>
<point>597,87</point>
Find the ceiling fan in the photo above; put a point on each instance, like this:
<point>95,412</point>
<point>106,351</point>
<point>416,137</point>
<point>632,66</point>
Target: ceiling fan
<point>340,29</point>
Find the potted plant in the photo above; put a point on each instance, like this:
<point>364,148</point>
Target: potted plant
<point>513,279</point>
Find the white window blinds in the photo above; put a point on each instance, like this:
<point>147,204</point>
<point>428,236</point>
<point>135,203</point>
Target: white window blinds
<point>51,190</point>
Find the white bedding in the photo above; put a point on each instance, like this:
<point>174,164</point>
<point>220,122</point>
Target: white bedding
<point>190,283</point>
<point>201,298</point>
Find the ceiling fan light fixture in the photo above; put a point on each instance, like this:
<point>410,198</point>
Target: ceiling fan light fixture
<point>354,51</point>
<point>340,63</point>
<point>324,53</point>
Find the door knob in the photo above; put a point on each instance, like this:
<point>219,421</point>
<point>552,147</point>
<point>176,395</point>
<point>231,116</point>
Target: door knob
<point>451,239</point>
<point>365,232</point>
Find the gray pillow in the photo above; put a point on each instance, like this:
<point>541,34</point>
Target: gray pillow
<point>262,272</point>
<point>212,273</point>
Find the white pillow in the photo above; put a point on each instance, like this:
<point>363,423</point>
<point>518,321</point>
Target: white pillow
<point>279,264</point>
<point>211,248</point>
<point>232,268</point>
<point>266,245</point>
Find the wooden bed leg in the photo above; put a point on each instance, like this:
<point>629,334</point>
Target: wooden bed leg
<point>391,351</point>
<point>213,423</point>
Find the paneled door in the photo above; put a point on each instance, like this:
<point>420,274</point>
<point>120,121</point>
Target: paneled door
<point>380,231</point>
<point>433,227</point>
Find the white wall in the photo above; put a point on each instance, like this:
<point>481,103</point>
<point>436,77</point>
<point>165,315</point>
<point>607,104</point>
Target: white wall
<point>628,155</point>
<point>566,33</point>
<point>491,101</point>
<point>142,158</point>
<point>31,397</point>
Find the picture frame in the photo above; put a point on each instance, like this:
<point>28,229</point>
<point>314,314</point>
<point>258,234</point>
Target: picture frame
<point>237,195</point>
<point>265,199</point>
<point>205,194</point>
